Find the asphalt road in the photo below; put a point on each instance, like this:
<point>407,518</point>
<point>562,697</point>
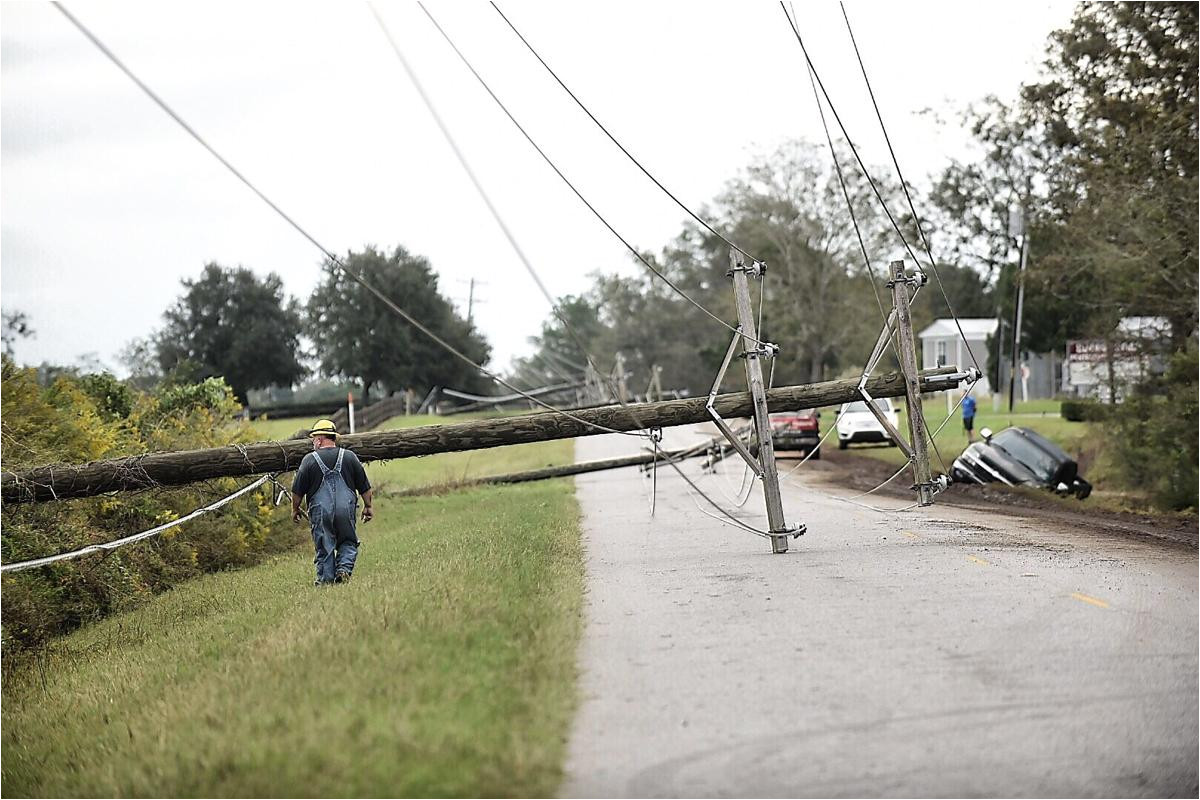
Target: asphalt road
<point>937,652</point>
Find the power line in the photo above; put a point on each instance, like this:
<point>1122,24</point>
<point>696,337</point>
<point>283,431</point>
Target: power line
<point>622,147</point>
<point>529,266</point>
<point>568,182</point>
<point>837,165</point>
<point>815,75</point>
<point>495,212</point>
<point>599,216</point>
<point>854,150</point>
<point>904,185</point>
<point>19,566</point>
<point>296,226</point>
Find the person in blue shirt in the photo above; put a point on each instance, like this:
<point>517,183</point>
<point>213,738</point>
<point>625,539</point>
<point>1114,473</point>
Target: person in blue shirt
<point>329,478</point>
<point>968,411</point>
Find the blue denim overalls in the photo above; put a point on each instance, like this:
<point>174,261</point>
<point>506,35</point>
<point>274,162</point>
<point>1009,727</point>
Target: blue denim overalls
<point>331,510</point>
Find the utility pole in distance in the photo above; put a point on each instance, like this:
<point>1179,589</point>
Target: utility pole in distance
<point>471,298</point>
<point>619,378</point>
<point>1017,222</point>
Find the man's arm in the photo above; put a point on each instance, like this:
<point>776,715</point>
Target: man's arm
<point>299,487</point>
<point>368,511</point>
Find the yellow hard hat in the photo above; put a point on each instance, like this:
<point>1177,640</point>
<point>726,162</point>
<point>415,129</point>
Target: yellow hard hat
<point>324,427</point>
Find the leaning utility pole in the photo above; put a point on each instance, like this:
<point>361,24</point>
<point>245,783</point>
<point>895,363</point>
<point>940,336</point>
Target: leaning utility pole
<point>752,351</point>
<point>899,284</point>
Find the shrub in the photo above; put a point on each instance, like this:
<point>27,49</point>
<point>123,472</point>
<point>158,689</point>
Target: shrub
<point>1154,432</point>
<point>76,419</point>
<point>1084,410</point>
<point>113,399</point>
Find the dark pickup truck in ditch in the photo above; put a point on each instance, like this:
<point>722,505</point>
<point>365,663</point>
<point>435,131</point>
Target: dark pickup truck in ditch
<point>1019,457</point>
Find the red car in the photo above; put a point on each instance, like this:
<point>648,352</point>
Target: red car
<point>797,430</point>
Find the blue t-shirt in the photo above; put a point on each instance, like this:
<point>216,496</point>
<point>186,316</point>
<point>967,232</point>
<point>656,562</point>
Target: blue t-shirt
<point>309,475</point>
<point>968,406</point>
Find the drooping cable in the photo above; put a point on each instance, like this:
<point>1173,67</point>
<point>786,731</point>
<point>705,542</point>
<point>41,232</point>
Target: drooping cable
<point>853,149</point>
<point>633,250</point>
<point>462,160</point>
<point>487,200</point>
<point>353,274</point>
<point>605,222</point>
<point>578,194</point>
<point>614,140</point>
<point>904,185</point>
<point>814,75</point>
<point>837,166</point>
<point>19,566</point>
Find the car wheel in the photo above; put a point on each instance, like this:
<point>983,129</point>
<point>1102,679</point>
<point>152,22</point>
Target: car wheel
<point>842,444</point>
<point>816,454</point>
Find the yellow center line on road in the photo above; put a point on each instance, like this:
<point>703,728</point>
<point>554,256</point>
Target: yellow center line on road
<point>978,560</point>
<point>1083,598</point>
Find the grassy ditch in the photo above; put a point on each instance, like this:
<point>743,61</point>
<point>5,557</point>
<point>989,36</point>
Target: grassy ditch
<point>445,668</point>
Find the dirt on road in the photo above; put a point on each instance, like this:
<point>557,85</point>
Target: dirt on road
<point>854,469</point>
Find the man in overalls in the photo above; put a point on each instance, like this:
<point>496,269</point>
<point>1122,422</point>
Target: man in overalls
<point>329,477</point>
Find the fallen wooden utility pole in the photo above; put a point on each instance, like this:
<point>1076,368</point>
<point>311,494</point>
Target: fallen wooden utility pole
<point>566,470</point>
<point>56,482</point>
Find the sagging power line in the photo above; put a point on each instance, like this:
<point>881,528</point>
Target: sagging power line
<point>354,275</point>
<point>633,250</point>
<point>703,223</point>
<point>752,346</point>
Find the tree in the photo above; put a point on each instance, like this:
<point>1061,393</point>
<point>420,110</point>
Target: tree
<point>231,324</point>
<point>1118,106</point>
<point>559,356</point>
<point>358,337</point>
<point>15,326</point>
<point>787,207</point>
<point>140,357</point>
<point>1102,156</point>
<point>1102,152</point>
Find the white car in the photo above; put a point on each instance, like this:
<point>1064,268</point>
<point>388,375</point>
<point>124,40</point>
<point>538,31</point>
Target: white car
<point>856,423</point>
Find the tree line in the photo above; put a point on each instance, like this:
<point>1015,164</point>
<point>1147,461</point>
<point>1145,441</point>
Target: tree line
<point>233,324</point>
<point>822,301</point>
<point>1098,157</point>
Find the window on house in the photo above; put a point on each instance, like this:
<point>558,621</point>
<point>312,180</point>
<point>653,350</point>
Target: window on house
<point>941,353</point>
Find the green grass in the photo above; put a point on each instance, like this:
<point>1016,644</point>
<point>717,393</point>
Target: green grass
<point>452,467</point>
<point>1040,415</point>
<point>446,667</point>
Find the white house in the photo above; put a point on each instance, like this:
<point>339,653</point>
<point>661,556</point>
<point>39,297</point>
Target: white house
<point>941,344</point>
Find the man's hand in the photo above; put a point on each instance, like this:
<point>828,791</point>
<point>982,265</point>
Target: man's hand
<point>368,514</point>
<point>296,517</point>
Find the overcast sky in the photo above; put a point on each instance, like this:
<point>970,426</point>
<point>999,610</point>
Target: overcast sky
<point>106,204</point>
